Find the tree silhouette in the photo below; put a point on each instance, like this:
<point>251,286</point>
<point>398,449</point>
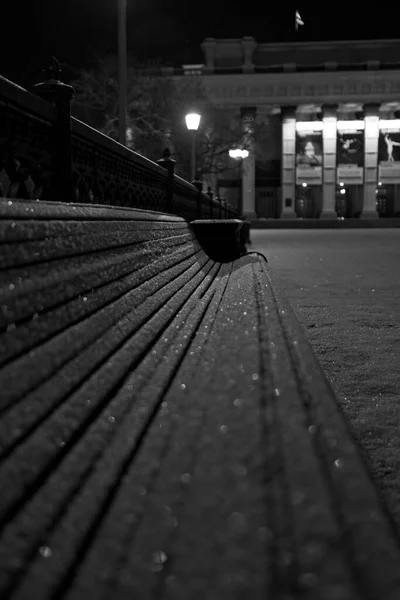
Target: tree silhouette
<point>156,107</point>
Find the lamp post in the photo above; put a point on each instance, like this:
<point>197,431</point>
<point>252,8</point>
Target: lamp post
<point>192,123</point>
<point>122,71</point>
<point>239,154</point>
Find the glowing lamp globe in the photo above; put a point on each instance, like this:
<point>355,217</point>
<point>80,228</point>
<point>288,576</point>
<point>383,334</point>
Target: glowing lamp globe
<point>192,121</point>
<point>238,153</point>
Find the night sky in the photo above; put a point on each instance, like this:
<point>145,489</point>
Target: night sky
<point>73,30</point>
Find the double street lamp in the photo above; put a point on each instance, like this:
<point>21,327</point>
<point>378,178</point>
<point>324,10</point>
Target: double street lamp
<point>192,123</point>
<point>239,154</point>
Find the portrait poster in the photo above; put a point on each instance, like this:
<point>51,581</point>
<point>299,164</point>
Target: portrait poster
<point>389,155</point>
<point>350,156</point>
<point>309,157</point>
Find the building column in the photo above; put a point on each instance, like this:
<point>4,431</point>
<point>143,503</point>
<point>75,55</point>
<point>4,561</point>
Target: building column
<point>248,115</point>
<point>371,138</point>
<point>248,46</point>
<point>209,47</point>
<point>288,169</point>
<point>329,138</point>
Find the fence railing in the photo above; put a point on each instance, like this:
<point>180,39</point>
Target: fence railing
<point>46,154</point>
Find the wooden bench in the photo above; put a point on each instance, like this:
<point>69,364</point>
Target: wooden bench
<point>166,431</point>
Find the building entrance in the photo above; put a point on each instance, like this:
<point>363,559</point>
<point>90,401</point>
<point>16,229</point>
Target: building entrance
<point>388,200</point>
<point>308,201</point>
<point>349,201</point>
<point>267,203</point>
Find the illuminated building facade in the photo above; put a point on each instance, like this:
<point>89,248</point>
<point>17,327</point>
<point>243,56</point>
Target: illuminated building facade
<point>333,112</point>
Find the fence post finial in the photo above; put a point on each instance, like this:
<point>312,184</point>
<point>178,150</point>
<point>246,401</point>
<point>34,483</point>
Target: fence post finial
<point>59,94</point>
<point>168,163</point>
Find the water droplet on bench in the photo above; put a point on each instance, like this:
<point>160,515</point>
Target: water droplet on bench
<point>45,551</point>
<point>159,558</point>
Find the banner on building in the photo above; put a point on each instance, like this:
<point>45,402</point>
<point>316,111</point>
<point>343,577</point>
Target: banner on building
<point>389,155</point>
<point>309,157</point>
<point>350,156</point>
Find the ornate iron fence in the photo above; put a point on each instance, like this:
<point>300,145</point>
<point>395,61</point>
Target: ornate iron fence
<point>46,154</point>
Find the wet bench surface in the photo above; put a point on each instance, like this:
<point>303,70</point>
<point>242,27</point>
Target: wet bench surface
<point>165,429</point>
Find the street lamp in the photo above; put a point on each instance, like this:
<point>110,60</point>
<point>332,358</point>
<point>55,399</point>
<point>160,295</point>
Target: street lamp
<point>122,71</point>
<point>192,123</point>
<point>239,154</point>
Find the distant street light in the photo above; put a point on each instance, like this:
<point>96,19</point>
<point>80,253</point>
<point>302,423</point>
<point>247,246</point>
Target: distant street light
<point>122,71</point>
<point>192,123</point>
<point>239,154</point>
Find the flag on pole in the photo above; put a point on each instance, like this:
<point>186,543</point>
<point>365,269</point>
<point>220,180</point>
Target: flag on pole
<point>298,20</point>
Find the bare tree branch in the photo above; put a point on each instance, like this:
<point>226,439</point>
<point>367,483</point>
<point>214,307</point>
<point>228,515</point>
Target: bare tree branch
<point>156,108</point>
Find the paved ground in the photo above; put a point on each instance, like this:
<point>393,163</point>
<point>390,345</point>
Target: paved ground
<point>345,288</point>
<point>325,223</point>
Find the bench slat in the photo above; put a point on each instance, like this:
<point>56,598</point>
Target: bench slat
<point>28,253</point>
<point>120,448</point>
<point>29,291</point>
<point>39,230</point>
<point>84,385</point>
<point>76,341</point>
<point>61,483</point>
<point>48,210</point>
<point>147,264</point>
<point>220,425</point>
